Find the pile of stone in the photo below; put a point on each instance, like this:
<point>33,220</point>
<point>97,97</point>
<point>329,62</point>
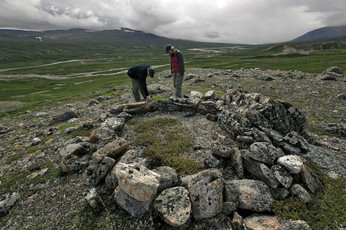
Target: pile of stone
<point>332,73</point>
<point>267,164</point>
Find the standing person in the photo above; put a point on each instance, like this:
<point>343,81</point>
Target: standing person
<point>177,68</point>
<point>138,75</point>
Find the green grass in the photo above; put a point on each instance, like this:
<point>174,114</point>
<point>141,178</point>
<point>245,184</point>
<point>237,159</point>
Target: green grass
<point>164,141</point>
<point>327,210</point>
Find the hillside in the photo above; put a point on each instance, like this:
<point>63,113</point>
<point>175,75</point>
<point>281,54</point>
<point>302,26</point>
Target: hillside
<point>325,33</point>
<point>51,184</point>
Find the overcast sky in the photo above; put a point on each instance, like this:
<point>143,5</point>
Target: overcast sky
<point>230,21</point>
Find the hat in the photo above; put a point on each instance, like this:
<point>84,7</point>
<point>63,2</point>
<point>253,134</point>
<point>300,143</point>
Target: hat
<point>168,47</point>
<point>151,72</point>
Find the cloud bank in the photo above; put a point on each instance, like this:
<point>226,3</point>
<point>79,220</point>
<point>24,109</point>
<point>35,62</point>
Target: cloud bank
<point>229,21</point>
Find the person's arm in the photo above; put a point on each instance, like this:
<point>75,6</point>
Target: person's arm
<point>181,63</point>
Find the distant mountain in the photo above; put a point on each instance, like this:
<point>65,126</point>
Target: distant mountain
<point>325,33</point>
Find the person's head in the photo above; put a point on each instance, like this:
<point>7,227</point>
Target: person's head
<point>150,72</point>
<point>169,49</point>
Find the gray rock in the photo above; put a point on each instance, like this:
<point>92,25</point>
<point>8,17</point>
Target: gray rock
<point>237,222</point>
<point>264,152</point>
<point>102,133</point>
<point>94,102</point>
<point>134,207</point>
<point>118,109</point>
<point>65,116</point>
<point>280,193</point>
<point>212,162</point>
<point>7,202</point>
<point>311,180</point>
<point>282,175</point>
<point>209,95</point>
<point>297,141</point>
<point>331,164</point>
<point>247,194</point>
<point>111,179</point>
<point>174,206</point>
<point>237,162</point>
<point>71,163</point>
<point>258,222</point>
<point>292,163</point>
<point>36,141</point>
<point>93,199</point>
<point>206,192</point>
<point>221,150</point>
<point>102,170</point>
<point>260,172</point>
<point>189,77</point>
<point>298,191</point>
<point>75,149</point>
<point>169,177</point>
<point>115,124</point>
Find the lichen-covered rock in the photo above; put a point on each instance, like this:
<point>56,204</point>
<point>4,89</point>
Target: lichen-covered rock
<point>264,152</point>
<point>206,192</point>
<point>247,194</point>
<point>137,181</point>
<point>282,175</point>
<point>102,170</point>
<point>258,222</point>
<point>174,206</point>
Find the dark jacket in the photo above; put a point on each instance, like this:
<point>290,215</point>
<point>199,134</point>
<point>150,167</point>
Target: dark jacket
<point>140,73</point>
<point>181,61</point>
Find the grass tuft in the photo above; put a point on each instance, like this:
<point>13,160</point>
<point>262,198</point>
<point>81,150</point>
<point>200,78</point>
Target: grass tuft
<point>165,142</point>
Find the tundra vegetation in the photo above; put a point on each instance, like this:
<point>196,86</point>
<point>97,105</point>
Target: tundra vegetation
<point>38,75</point>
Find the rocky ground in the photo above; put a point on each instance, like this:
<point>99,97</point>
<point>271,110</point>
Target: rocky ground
<point>30,144</point>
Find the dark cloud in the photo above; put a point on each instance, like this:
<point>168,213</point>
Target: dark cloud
<point>246,21</point>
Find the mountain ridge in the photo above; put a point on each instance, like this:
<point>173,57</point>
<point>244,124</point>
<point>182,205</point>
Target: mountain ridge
<point>324,33</point>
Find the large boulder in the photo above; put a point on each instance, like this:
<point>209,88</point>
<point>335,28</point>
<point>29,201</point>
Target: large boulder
<point>174,206</point>
<point>137,181</point>
<point>206,192</point>
<point>250,195</point>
